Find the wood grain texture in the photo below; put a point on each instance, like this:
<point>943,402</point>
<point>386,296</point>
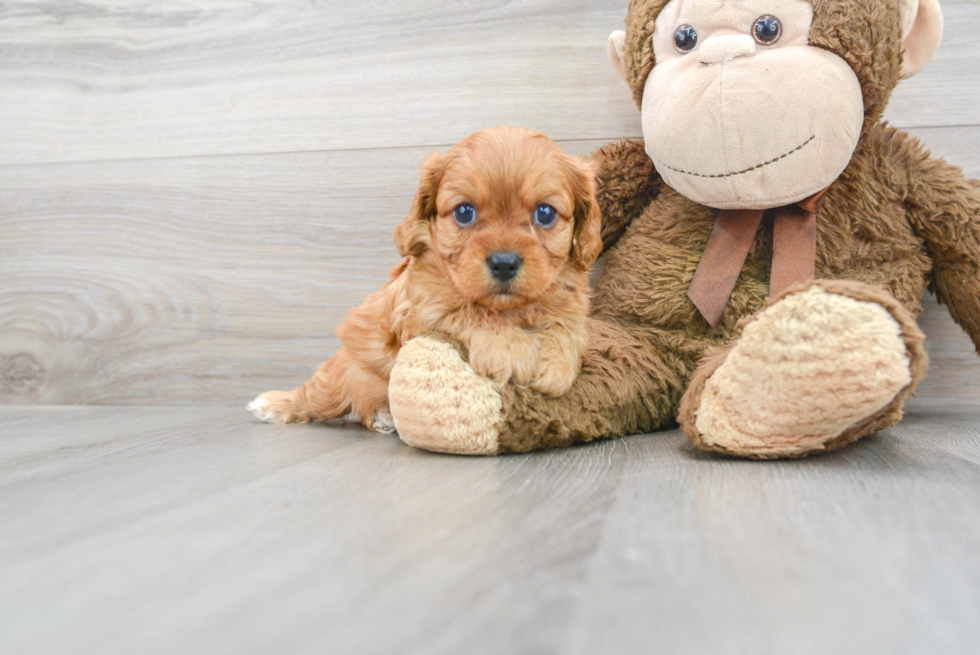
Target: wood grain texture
<point>210,279</point>
<point>188,281</point>
<point>161,530</point>
<point>172,279</point>
<point>108,80</point>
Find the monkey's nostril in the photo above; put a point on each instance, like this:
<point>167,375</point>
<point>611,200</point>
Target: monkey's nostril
<point>504,264</point>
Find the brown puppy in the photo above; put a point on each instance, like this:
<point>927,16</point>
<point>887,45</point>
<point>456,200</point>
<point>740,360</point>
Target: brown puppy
<point>497,247</point>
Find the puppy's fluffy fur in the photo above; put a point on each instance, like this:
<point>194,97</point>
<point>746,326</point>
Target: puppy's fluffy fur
<point>529,330</point>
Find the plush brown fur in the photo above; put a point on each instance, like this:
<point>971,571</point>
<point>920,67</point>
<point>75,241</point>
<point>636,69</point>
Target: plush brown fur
<point>529,330</point>
<point>897,220</point>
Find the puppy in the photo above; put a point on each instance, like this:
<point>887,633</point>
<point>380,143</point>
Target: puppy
<point>497,248</point>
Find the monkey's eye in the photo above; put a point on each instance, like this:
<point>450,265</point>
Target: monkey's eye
<point>685,38</point>
<point>545,215</point>
<point>767,29</point>
<point>464,214</point>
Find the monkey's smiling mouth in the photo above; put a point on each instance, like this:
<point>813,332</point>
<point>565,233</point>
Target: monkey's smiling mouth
<point>751,168</point>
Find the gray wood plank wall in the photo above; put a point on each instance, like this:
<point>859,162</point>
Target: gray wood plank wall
<point>193,195</point>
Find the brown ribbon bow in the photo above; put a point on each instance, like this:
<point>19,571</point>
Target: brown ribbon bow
<point>794,252</point>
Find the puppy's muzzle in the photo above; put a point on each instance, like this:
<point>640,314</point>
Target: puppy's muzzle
<point>504,264</point>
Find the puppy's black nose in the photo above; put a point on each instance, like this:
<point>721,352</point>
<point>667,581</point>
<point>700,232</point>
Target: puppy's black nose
<point>504,264</point>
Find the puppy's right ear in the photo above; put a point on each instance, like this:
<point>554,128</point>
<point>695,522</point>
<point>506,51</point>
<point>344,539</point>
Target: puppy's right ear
<point>412,236</point>
<point>587,239</point>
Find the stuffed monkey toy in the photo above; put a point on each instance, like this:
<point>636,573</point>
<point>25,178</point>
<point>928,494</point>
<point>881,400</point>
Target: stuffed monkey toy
<point>767,244</point>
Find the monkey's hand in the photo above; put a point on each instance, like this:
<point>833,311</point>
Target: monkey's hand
<point>627,385</point>
<point>944,208</point>
<point>439,402</point>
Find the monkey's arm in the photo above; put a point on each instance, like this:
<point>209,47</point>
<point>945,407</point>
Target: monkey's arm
<point>627,385</point>
<point>945,210</point>
<point>626,182</point>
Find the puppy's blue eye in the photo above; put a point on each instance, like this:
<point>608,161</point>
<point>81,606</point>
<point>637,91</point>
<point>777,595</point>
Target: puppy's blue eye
<point>465,214</point>
<point>545,215</point>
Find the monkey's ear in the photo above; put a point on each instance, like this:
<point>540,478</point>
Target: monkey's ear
<point>616,49</point>
<point>412,236</point>
<point>587,237</point>
<point>922,32</point>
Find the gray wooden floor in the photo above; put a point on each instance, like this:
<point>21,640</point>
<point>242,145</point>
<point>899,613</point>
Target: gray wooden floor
<point>156,530</point>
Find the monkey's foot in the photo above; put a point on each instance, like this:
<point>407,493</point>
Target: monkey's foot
<point>438,402</point>
<point>817,368</point>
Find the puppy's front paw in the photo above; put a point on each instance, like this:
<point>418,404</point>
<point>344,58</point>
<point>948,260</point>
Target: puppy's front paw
<point>276,407</point>
<point>504,357</point>
<point>554,378</point>
<point>559,362</point>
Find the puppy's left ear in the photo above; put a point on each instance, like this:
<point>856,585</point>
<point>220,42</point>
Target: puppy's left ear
<point>587,239</point>
<point>412,236</point>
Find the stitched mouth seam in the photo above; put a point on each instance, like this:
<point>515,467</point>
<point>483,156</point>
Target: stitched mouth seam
<point>750,169</point>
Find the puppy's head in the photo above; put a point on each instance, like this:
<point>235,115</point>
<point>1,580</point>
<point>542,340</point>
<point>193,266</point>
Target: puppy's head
<point>505,214</point>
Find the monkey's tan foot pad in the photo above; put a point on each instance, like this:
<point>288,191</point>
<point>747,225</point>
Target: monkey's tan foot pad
<point>438,402</point>
<point>818,367</point>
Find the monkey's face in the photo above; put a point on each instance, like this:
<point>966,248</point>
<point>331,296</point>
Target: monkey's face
<point>740,112</point>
